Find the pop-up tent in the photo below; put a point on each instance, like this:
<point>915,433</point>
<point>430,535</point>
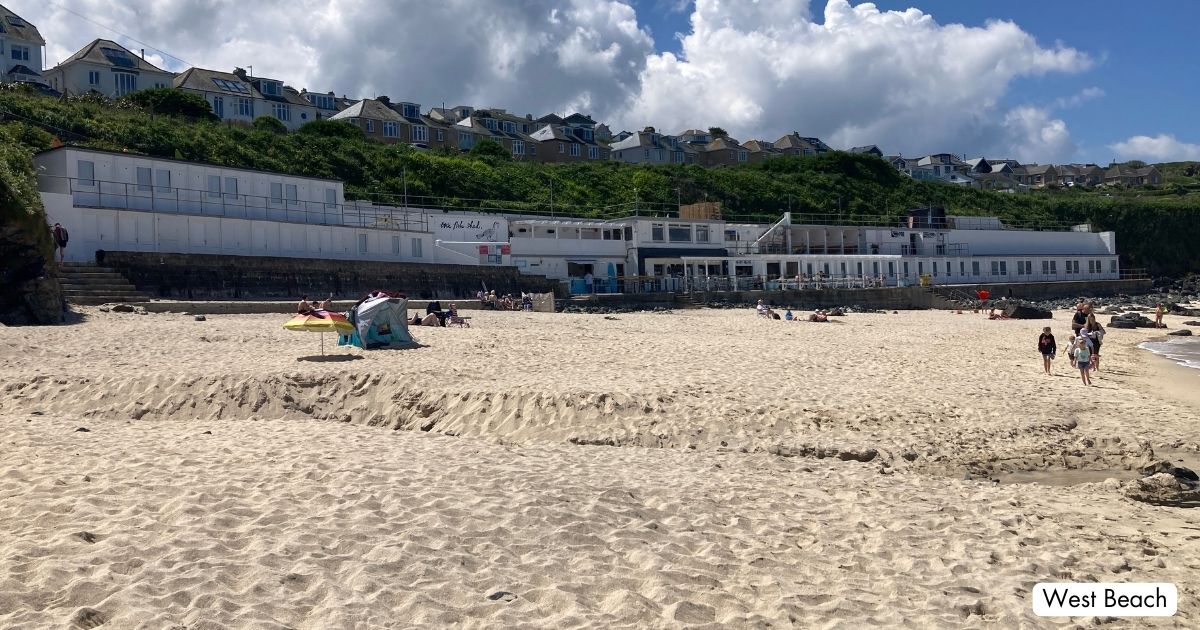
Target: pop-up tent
<point>379,322</point>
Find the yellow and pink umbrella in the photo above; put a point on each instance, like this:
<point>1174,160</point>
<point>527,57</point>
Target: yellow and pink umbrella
<point>321,322</point>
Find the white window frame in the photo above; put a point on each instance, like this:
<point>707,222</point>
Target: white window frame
<point>281,111</point>
<point>218,105</point>
<point>370,125</point>
<point>391,129</point>
<point>88,178</point>
<point>416,247</point>
<point>574,150</point>
<point>93,77</point>
<point>126,83</point>
<point>420,133</point>
<point>518,147</point>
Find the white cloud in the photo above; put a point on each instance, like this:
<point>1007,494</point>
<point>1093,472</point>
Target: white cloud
<point>759,68</point>
<point>536,56</point>
<point>1075,100</point>
<point>1032,135</point>
<point>896,79</point>
<point>1160,148</point>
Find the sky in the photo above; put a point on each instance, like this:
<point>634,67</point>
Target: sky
<point>1072,81</point>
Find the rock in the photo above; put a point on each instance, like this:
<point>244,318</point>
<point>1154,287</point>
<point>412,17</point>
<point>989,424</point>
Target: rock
<point>1021,311</point>
<point>1162,489</point>
<point>200,318</point>
<point>503,596</point>
<point>1122,324</point>
<point>1181,333</point>
<point>121,308</point>
<point>29,294</point>
<point>858,455</point>
<point>837,312</point>
<point>1191,323</point>
<point>83,430</point>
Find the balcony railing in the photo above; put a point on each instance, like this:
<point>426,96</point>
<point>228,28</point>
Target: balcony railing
<point>171,200</point>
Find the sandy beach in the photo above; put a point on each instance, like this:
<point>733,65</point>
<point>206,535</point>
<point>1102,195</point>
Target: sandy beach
<point>698,468</point>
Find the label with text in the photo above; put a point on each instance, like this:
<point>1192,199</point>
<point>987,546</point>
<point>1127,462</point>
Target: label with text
<point>1107,599</point>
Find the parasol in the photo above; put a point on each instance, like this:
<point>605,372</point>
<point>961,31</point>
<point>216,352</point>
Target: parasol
<point>321,322</point>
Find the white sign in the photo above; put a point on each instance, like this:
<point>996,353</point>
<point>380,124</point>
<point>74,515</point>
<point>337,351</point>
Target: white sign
<point>1105,599</point>
<point>469,228</point>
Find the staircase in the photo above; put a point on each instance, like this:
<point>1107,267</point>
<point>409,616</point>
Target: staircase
<point>952,298</point>
<point>85,283</point>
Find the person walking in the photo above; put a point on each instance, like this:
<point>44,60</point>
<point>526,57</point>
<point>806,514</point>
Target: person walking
<point>1079,319</point>
<point>1047,348</point>
<point>1083,360</point>
<point>60,241</point>
<point>1095,332</point>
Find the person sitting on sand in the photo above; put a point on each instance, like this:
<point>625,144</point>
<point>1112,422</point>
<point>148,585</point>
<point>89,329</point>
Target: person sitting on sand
<point>1047,348</point>
<point>787,315</point>
<point>306,308</point>
<point>761,308</point>
<point>326,304</point>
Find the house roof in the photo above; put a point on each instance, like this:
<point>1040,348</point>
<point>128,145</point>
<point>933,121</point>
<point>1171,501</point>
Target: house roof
<point>724,143</point>
<point>554,132</point>
<point>109,53</point>
<point>205,80</point>
<point>868,148</point>
<point>370,109</point>
<point>24,70</point>
<point>796,141</point>
<point>1039,169</point>
<point>578,118</point>
<point>643,140</point>
<point>553,119</point>
<point>16,27</point>
<point>760,146</point>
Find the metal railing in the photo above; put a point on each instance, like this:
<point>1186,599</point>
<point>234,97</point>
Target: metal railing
<point>173,200</point>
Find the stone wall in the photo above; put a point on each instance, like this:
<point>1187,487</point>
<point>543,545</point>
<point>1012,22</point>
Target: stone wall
<point>29,294</point>
<point>215,277</point>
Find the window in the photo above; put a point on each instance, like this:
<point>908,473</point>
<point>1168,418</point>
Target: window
<point>742,156</point>
<point>920,268</point>
<point>574,150</point>
<point>701,233</point>
<point>126,82</point>
<point>1050,267</point>
<point>934,267</point>
<point>396,245</point>
<point>162,181</point>
<point>409,110</point>
<point>859,267</point>
<point>322,101</point>
<point>362,243</point>
<point>974,267</point>
<point>416,248</point>
<point>218,105</point>
<point>562,148</point>
<point>330,196</point>
<point>391,130</point>
<point>594,153</point>
<point>20,53</point>
<point>646,154</point>
<point>93,77</point>
<point>370,126</point>
<point>489,123</point>
<point>891,270</point>
<point>420,133</point>
<point>948,274</point>
<point>87,173</point>
<point>518,147</point>
<point>464,140</point>
<point>270,88</point>
<point>533,149</point>
<point>245,107</point>
<point>143,179</point>
<point>995,268</point>
<point>962,268</point>
<point>231,86</point>
<point>1112,266</point>
<point>281,111</point>
<point>231,188</point>
<point>679,233</point>
<point>656,232</point>
<point>290,195</point>
<point>731,235</point>
<point>214,186</point>
<point>276,193</point>
<point>441,135</point>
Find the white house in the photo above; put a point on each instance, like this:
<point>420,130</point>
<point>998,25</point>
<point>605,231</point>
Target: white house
<point>21,49</point>
<point>238,97</point>
<point>106,67</point>
<point>571,249</point>
<point>123,202</point>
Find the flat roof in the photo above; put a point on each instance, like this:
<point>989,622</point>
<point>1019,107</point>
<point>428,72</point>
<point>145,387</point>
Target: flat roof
<point>178,161</point>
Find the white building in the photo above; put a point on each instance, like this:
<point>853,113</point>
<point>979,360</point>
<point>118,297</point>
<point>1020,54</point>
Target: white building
<point>108,68</point>
<point>21,49</point>
<point>123,202</point>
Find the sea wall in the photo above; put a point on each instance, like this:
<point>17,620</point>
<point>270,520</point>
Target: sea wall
<point>216,277</point>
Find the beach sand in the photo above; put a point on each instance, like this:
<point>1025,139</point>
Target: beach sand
<point>686,469</point>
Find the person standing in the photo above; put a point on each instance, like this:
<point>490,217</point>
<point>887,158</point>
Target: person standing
<point>60,240</point>
<point>1158,315</point>
<point>1096,333</point>
<point>1079,319</point>
<point>1047,348</point>
<point>1083,360</point>
<point>588,281</point>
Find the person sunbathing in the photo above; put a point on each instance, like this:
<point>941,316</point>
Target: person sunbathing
<point>819,316</point>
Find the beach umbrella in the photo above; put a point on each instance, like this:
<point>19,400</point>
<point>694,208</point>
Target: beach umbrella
<point>325,322</point>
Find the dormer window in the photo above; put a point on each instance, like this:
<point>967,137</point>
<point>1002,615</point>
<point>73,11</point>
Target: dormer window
<point>271,88</point>
<point>409,110</point>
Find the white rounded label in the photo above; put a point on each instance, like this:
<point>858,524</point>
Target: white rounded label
<point>1108,599</point>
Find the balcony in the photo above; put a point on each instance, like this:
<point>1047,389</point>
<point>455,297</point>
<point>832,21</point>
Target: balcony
<point>170,200</point>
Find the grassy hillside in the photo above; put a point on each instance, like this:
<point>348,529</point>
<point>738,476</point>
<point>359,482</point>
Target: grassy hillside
<point>1156,228</point>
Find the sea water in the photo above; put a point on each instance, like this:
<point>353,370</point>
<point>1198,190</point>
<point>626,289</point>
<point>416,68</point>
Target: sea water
<point>1185,351</point>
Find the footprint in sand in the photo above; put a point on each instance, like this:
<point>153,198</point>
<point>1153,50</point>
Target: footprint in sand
<point>88,618</point>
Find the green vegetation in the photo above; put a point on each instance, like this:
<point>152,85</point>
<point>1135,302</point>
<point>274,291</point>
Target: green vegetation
<point>1157,228</point>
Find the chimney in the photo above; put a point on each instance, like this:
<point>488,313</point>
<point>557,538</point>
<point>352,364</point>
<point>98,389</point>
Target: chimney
<point>143,54</point>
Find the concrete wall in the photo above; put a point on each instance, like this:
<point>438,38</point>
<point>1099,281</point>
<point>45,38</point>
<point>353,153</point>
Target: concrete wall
<point>199,276</point>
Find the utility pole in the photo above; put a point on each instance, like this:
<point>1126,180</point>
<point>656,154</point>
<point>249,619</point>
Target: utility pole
<point>404,180</point>
<point>678,200</point>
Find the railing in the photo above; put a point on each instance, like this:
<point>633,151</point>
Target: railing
<point>172,200</point>
<point>1134,274</point>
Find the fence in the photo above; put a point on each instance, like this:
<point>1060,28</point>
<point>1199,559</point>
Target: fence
<point>171,200</point>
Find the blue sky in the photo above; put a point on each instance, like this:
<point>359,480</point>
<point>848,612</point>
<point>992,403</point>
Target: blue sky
<point>1145,57</point>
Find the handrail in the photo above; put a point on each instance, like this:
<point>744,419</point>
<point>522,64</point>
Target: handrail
<point>175,200</point>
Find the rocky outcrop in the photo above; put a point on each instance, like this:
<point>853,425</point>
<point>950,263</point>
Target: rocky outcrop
<point>29,294</point>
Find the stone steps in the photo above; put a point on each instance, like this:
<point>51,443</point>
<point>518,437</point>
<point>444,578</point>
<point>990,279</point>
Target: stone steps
<point>86,284</point>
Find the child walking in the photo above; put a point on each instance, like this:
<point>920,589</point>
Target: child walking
<point>1047,347</point>
<point>1083,360</point>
